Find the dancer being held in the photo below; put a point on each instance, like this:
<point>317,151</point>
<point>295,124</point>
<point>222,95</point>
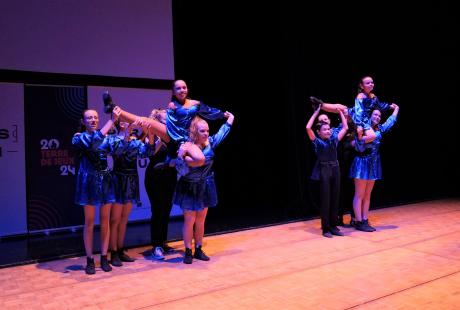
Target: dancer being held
<point>126,148</point>
<point>326,170</point>
<point>160,182</point>
<point>181,111</point>
<point>94,187</point>
<point>196,190</point>
<point>365,102</point>
<point>366,168</point>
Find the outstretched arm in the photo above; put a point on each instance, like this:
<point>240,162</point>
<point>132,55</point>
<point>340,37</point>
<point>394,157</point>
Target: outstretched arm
<point>310,132</point>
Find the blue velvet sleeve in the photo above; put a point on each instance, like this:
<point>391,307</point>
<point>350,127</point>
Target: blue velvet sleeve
<point>216,139</point>
<point>209,113</point>
<point>85,140</point>
<point>145,149</point>
<point>385,127</point>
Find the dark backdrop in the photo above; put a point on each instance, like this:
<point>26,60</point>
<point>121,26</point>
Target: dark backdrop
<point>262,61</point>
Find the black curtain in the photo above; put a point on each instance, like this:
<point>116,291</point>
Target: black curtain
<point>262,62</point>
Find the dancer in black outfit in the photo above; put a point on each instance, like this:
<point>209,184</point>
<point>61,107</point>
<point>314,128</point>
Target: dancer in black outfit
<point>326,170</point>
<point>160,182</point>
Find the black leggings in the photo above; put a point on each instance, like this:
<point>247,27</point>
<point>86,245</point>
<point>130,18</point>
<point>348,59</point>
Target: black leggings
<point>160,185</point>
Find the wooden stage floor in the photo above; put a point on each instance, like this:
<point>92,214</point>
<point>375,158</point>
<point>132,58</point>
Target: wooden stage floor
<point>412,261</point>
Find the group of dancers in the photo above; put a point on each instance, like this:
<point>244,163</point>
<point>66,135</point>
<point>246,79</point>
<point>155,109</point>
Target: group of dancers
<point>181,153</point>
<point>175,138</point>
<point>363,120</point>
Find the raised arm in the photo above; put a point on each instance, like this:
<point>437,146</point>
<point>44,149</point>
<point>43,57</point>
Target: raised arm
<point>115,114</point>
<point>344,128</point>
<point>310,132</point>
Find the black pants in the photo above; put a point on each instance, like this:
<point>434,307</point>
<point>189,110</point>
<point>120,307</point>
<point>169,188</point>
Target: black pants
<point>160,185</point>
<point>329,190</point>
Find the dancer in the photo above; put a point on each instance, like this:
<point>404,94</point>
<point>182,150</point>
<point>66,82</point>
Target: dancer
<point>326,171</point>
<point>181,111</point>
<point>366,168</point>
<point>365,102</point>
<point>126,148</point>
<point>196,190</point>
<point>160,182</point>
<point>94,188</point>
<point>345,154</point>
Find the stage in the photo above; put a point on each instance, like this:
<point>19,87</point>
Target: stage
<point>412,261</point>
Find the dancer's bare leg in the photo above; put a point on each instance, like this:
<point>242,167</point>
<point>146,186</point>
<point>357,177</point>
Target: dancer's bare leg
<point>155,126</point>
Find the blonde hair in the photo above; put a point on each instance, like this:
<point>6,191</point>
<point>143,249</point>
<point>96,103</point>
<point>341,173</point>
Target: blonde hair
<point>156,114</point>
<point>193,131</point>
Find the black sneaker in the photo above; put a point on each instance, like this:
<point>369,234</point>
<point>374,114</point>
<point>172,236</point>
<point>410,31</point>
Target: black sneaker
<point>115,259</point>
<point>366,222</point>
<point>124,257</point>
<point>188,256</point>
<point>327,234</point>
<point>108,102</point>
<point>105,264</point>
<point>199,254</point>
<point>90,266</point>
<point>316,102</point>
<point>362,227</point>
<point>336,232</point>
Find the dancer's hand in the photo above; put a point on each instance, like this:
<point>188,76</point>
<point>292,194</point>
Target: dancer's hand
<point>116,113</point>
<point>229,116</point>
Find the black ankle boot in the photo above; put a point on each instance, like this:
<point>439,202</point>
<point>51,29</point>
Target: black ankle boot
<point>105,264</point>
<point>199,254</point>
<point>124,257</point>
<point>366,223</point>
<point>115,259</point>
<point>315,103</point>
<point>90,266</point>
<point>188,256</point>
<point>108,103</point>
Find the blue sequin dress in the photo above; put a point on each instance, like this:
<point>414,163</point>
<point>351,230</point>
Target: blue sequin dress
<point>367,164</point>
<point>196,188</point>
<point>363,108</point>
<point>125,175</point>
<point>94,184</point>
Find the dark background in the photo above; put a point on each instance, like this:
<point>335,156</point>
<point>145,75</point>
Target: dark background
<point>262,61</point>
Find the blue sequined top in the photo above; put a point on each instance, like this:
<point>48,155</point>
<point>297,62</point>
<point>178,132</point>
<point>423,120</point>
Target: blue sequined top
<point>178,120</point>
<point>199,173</point>
<point>373,147</point>
<point>363,108</point>
<point>125,153</point>
<point>93,149</point>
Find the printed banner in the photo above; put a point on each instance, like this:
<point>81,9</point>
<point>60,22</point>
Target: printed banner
<point>12,160</point>
<point>52,115</point>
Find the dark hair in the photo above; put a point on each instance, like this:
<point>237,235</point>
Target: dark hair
<point>173,97</point>
<point>360,89</point>
<point>320,124</point>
